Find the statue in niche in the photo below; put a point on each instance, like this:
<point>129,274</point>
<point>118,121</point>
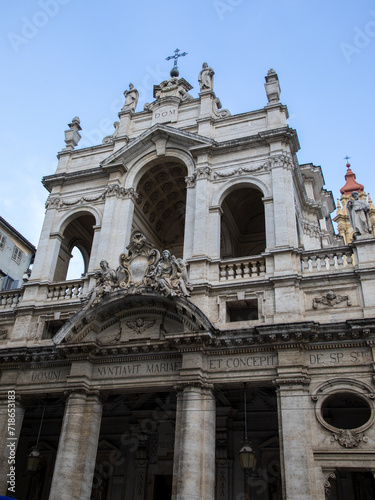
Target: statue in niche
<point>131,98</point>
<point>106,281</point>
<point>206,78</point>
<point>171,276</point>
<point>358,212</point>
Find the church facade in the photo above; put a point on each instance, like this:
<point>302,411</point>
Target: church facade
<point>218,311</point>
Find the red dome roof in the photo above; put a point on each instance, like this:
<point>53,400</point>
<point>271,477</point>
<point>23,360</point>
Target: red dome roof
<point>351,184</point>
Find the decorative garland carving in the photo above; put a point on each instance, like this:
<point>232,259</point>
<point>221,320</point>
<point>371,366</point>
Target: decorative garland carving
<point>331,299</point>
<point>274,161</point>
<point>114,190</point>
<point>240,170</point>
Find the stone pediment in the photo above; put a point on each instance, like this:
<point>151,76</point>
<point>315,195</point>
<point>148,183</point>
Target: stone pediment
<point>158,136</point>
<point>120,320</point>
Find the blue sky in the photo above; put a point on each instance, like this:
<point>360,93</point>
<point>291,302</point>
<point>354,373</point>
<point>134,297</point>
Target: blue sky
<point>63,58</point>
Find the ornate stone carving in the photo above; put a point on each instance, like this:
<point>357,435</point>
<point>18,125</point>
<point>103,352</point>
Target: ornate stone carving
<point>121,192</point>
<point>108,139</point>
<point>113,190</point>
<point>328,475</point>
<point>206,78</point>
<point>3,334</point>
<point>220,113</point>
<point>170,276</point>
<point>106,281</point>
<point>174,87</point>
<point>140,325</point>
<point>131,98</point>
<point>349,438</point>
<point>358,212</point>
<point>190,181</point>
<point>203,173</point>
<point>241,170</point>
<point>331,299</point>
<point>141,271</point>
<point>281,161</point>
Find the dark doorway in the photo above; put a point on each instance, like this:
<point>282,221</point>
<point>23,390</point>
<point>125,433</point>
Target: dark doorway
<point>352,485</point>
<point>162,488</point>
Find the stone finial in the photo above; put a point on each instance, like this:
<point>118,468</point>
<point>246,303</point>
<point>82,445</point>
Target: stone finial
<point>72,136</point>
<point>272,87</point>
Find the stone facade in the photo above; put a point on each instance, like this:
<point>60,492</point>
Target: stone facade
<point>213,276</point>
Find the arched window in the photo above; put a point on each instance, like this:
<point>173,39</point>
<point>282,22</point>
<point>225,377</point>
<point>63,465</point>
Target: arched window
<point>76,266</point>
<point>78,235</point>
<point>161,206</point>
<point>243,223</point>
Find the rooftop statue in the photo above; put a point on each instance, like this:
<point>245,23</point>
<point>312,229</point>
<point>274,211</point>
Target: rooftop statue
<point>131,98</point>
<point>358,212</point>
<point>206,78</point>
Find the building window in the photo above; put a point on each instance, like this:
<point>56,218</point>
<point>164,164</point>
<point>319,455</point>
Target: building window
<point>242,310</point>
<point>2,241</point>
<point>17,254</point>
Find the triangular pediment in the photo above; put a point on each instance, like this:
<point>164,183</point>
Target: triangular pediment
<point>159,137</point>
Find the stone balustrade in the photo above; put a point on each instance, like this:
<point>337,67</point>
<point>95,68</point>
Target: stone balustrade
<point>242,268</point>
<point>10,298</point>
<point>333,260</point>
<point>65,290</point>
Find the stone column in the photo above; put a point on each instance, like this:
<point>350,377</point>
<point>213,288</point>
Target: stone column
<point>297,460</point>
<point>194,468</point>
<point>8,446</point>
<point>76,454</point>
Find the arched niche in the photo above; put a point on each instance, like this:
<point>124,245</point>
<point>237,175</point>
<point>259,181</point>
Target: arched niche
<point>77,231</point>
<point>161,204</point>
<point>243,230</point>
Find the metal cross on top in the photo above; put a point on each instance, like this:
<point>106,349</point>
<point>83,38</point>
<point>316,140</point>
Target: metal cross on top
<point>174,70</point>
<point>347,158</point>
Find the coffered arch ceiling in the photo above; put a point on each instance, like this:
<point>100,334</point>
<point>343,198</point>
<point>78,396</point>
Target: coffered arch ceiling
<point>161,205</point>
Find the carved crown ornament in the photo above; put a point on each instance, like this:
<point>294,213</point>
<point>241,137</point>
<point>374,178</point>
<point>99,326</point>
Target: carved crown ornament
<point>351,390</point>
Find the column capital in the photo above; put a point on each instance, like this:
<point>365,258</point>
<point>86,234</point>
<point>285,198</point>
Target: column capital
<point>285,383</point>
<point>198,384</point>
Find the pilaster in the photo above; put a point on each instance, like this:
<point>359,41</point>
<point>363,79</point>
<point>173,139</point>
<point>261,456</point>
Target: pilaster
<point>76,454</point>
<point>297,459</point>
<point>194,468</point>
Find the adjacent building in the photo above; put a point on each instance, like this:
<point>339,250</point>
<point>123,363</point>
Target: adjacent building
<point>16,256</point>
<point>218,312</point>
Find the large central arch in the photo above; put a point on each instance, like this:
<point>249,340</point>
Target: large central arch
<point>161,204</point>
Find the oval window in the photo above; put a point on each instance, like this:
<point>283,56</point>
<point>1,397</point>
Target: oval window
<point>346,411</point>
